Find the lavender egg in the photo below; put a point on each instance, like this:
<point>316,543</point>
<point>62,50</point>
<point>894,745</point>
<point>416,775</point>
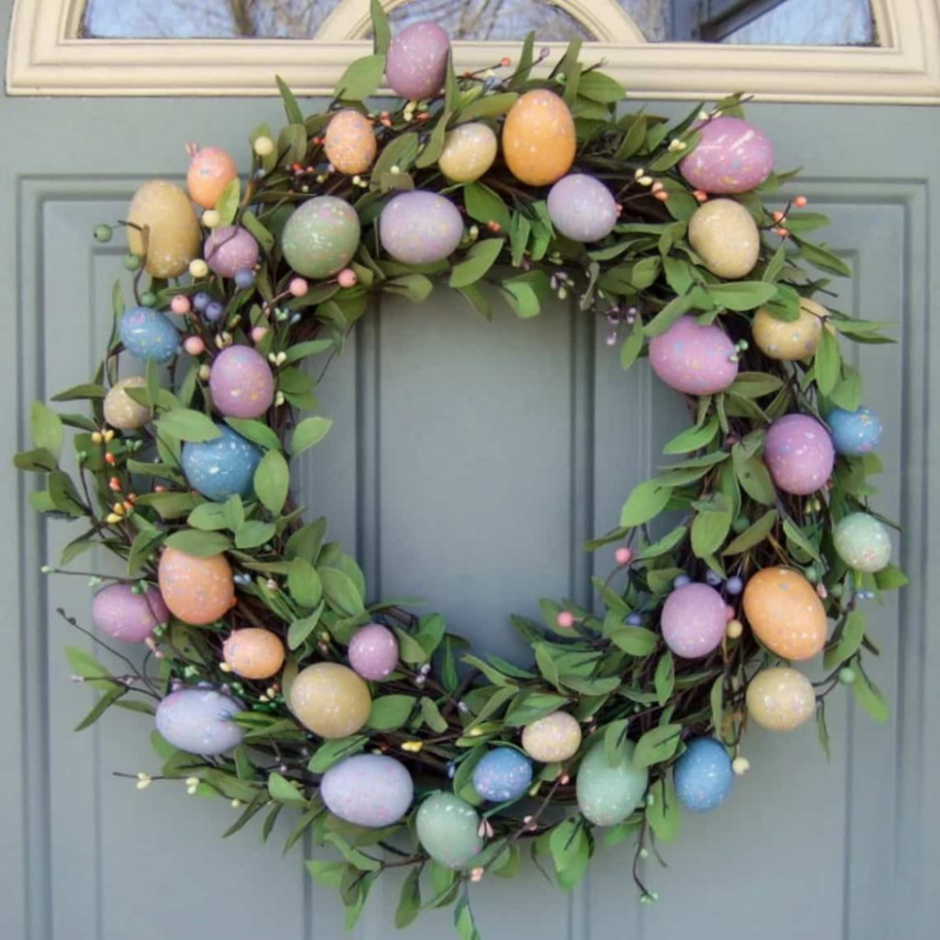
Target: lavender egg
<point>124,615</point>
<point>321,237</point>
<point>799,454</point>
<point>503,774</point>
<point>855,433</point>
<point>417,61</point>
<point>373,651</point>
<point>229,249</point>
<point>241,383</point>
<point>148,334</point>
<point>693,620</point>
<point>199,721</point>
<point>369,790</point>
<point>420,228</point>
<point>582,208</point>
<point>222,467</point>
<point>731,156</point>
<point>693,359</point>
<point>703,775</point>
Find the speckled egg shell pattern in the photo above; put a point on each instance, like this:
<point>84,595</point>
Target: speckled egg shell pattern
<point>229,249</point>
<point>785,613</point>
<point>469,151</point>
<point>241,382</point>
<point>503,774</point>
<point>120,410</point>
<point>420,227</point>
<point>253,653</point>
<point>607,795</point>
<point>199,721</point>
<point>210,171</point>
<point>582,208</point>
<point>124,615</point>
<point>373,651</point>
<point>551,739</point>
<point>693,359</point>
<point>196,590</point>
<point>222,467</point>
<point>731,156</point>
<point>370,790</point>
<point>148,334</point>
<point>780,699</point>
<point>693,620</point>
<point>855,433</point>
<point>703,775</point>
<point>725,236</point>
<point>799,454</point>
<point>786,340</point>
<point>330,700</point>
<point>349,142</point>
<point>321,236</point>
<point>173,237</point>
<point>538,138</point>
<point>417,61</point>
<point>447,829</point>
<point>862,542</point>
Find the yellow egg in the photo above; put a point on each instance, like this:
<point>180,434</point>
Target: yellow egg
<point>726,238</point>
<point>785,613</point>
<point>254,653</point>
<point>196,590</point>
<point>349,142</point>
<point>797,339</point>
<point>211,169</point>
<point>539,138</point>
<point>330,700</point>
<point>171,237</point>
<point>469,151</point>
<point>120,410</point>
<point>556,737</point>
<point>780,699</point>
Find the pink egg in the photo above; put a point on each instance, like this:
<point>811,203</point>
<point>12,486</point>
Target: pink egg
<point>693,620</point>
<point>241,383</point>
<point>373,651</point>
<point>799,454</point>
<point>124,615</point>
<point>417,61</point>
<point>420,228</point>
<point>732,156</point>
<point>693,359</point>
<point>230,249</point>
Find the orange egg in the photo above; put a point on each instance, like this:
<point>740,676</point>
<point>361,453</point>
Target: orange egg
<point>164,229</point>
<point>196,590</point>
<point>210,171</point>
<point>785,613</point>
<point>349,142</point>
<point>538,138</point>
<point>254,653</point>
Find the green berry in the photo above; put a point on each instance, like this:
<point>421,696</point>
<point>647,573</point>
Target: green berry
<point>847,675</point>
<point>103,233</point>
<point>812,574</point>
<point>835,591</point>
<point>148,299</point>
<point>132,262</point>
<point>740,524</point>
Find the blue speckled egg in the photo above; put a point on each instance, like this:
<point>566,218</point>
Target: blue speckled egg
<point>703,775</point>
<point>582,208</point>
<point>199,720</point>
<point>371,790</point>
<point>447,829</point>
<point>503,774</point>
<point>855,432</point>
<point>607,795</point>
<point>147,334</point>
<point>420,228</point>
<point>221,467</point>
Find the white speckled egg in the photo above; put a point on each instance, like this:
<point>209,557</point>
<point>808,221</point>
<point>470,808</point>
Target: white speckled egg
<point>725,236</point>
<point>199,721</point>
<point>469,151</point>
<point>120,410</point>
<point>582,208</point>
<point>420,227</point>
<point>556,737</point>
<point>370,790</point>
<point>607,795</point>
<point>447,829</point>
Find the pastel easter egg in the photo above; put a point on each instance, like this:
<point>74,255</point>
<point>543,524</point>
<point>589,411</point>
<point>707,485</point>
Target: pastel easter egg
<point>120,410</point>
<point>725,236</point>
<point>370,790</point>
<point>222,467</point>
<point>503,774</point>
<point>785,613</point>
<point>469,151</point>
<point>253,653</point>
<point>373,652</point>
<point>582,208</point>
<point>321,236</point>
<point>780,699</point>
<point>854,433</point>
<point>196,590</point>
<point>172,238</point>
<point>539,138</point>
<point>148,334</point>
<point>693,359</point>
<point>420,227</point>
<point>703,775</point>
<point>199,721</point>
<point>124,615</point>
<point>731,156</point>
<point>241,383</point>
<point>330,700</point>
<point>789,340</point>
<point>551,739</point>
<point>693,620</point>
<point>211,169</point>
<point>349,142</point>
<point>799,454</point>
<point>608,795</point>
<point>417,61</point>
<point>862,542</point>
<point>230,248</point>
<point>447,830</point>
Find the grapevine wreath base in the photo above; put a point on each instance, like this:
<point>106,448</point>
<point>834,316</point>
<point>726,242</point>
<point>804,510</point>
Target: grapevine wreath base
<point>275,680</point>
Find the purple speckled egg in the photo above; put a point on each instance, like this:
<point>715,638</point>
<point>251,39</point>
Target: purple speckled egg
<point>582,208</point>
<point>373,651</point>
<point>124,615</point>
<point>369,790</point>
<point>417,61</point>
<point>241,383</point>
<point>693,359</point>
<point>420,228</point>
<point>199,720</point>
<point>732,156</point>
<point>799,454</point>
<point>693,620</point>
<point>229,249</point>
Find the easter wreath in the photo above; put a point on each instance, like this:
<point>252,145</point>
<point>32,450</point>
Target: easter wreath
<point>273,683</point>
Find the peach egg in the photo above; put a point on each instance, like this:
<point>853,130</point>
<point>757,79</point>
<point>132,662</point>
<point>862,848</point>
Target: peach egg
<point>196,590</point>
<point>539,138</point>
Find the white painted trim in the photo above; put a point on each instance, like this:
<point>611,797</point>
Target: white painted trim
<point>46,58</point>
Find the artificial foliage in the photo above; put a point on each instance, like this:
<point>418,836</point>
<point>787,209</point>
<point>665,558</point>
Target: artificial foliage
<point>461,722</point>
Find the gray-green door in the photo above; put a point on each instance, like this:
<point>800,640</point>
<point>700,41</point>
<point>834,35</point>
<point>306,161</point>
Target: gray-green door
<point>468,462</point>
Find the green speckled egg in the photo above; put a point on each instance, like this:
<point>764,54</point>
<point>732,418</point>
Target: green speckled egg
<point>607,795</point>
<point>862,542</point>
<point>321,237</point>
<point>447,828</point>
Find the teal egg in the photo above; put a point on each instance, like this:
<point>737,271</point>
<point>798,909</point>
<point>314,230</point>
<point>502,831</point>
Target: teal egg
<point>607,795</point>
<point>447,829</point>
<point>222,467</point>
<point>855,433</point>
<point>862,542</point>
<point>321,237</point>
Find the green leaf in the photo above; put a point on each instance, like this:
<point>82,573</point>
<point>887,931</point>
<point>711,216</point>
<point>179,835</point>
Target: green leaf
<point>310,431</point>
<point>822,731</point>
<point>329,874</point>
<point>340,591</point>
<point>716,701</point>
<point>184,424</point>
<point>46,428</point>
<point>849,640</point>
<point>669,315</point>
<point>209,517</point>
<point>432,715</point>
<point>664,816</point>
<point>710,529</point>
<point>753,476</point>
<point>597,86</point>
<point>570,851</point>
<point>101,706</point>
<point>331,752</point>
<point>409,901</point>
<point>255,431</point>
<point>479,259</point>
<point>646,500</point>
<point>416,287</point>
<point>823,258</point>
<point>85,665</point>
<point>741,295</point>
<point>227,203</point>
<point>487,106</point>
<point>299,630</point>
<point>254,533</point>
<point>632,345</point>
<point>35,461</point>
<point>664,545</point>
<point>81,393</point>
<point>753,535</point>
<point>827,362</point>
<point>869,696</point>
<point>485,206</point>
<point>260,233</point>
<point>272,481</point>
<point>291,108</point>
<point>755,384</point>
<point>284,791</point>
<point>693,438</point>
<point>891,578</point>
<point>796,536</point>
<point>64,495</point>
<point>303,583</point>
<point>361,79</point>
<point>380,29</point>
<point>637,641</point>
<point>657,745</point>
<point>665,678</point>
<point>199,544</point>
<point>390,712</point>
